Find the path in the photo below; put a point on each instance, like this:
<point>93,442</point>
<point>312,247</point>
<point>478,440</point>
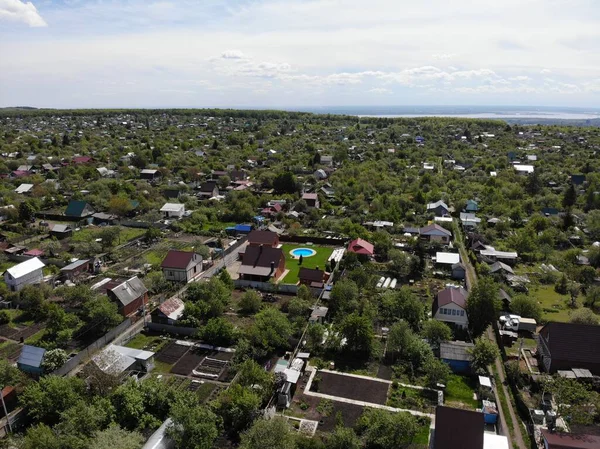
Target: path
<point>514,434</point>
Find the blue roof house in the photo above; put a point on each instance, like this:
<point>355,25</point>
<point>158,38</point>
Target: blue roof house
<point>30,360</point>
<point>472,206</point>
<point>456,354</point>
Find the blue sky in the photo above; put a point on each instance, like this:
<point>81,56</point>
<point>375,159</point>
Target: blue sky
<point>277,53</point>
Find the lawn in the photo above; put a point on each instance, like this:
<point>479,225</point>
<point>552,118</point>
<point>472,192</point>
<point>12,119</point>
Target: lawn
<point>87,234</point>
<point>318,260</point>
<point>459,392</point>
<point>412,398</point>
<point>555,306</point>
<point>422,436</point>
<point>146,342</point>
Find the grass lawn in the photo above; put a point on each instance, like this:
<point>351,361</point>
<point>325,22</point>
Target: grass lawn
<point>6,265</point>
<point>459,390</point>
<point>161,367</point>
<point>205,390</point>
<point>412,399</point>
<point>318,260</point>
<point>87,234</point>
<point>146,342</point>
<point>35,339</point>
<point>555,306</point>
<point>422,436</point>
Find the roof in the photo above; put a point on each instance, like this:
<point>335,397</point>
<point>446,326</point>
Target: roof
<point>257,260</point>
<point>263,237</point>
<point>177,259</point>
<point>456,295</point>
<point>499,254</point>
<point>455,350</point>
<point>35,252</point>
<point>499,266</point>
<point>61,228</point>
<point>524,168</point>
<point>436,205</point>
<point>25,268</point>
<point>447,258</point>
<point>458,429</point>
<point>23,188</point>
<point>75,265</point>
<point>311,274</point>
<point>129,291</point>
<point>147,171</point>
<point>242,227</point>
<point>116,359</point>
<point>493,441</point>
<point>575,343</point>
<point>310,196</point>
<point>172,207</point>
<point>172,308</point>
<point>76,208</point>
<point>360,246</point>
<point>434,229</point>
<point>31,356</point>
<point>557,440</point>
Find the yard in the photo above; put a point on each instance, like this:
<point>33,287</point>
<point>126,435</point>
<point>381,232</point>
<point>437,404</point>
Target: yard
<point>89,233</point>
<point>318,260</point>
<point>459,392</point>
<point>349,387</point>
<point>555,306</point>
<point>412,398</point>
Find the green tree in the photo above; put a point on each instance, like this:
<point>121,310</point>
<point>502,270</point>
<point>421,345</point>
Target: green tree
<point>343,294</point>
<point>81,421</point>
<point>10,374</point>
<point>194,425</point>
<point>383,430</point>
<point>574,399</point>
<point>225,278</point>
<point>482,305</point>
<point>436,371</point>
<point>592,297</point>
<point>40,436</point>
<point>101,314</point>
<point>119,205</point>
<point>343,438</point>
<point>483,354</point>
<point>45,400</point>
<point>152,234</point>
<point>285,183</point>
<point>436,332</point>
<point>54,359</point>
<point>26,211</point>
<point>526,307</point>
<point>251,302</point>
<point>218,332</point>
<point>271,329</point>
<point>252,375</point>
<point>570,197</point>
<point>113,437</point>
<point>110,236</point>
<point>269,434</point>
<point>402,264</point>
<point>238,406</point>
<point>211,297</point>
<point>584,316</point>
<point>358,332</point>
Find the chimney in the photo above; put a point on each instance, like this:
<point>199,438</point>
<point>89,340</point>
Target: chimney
<point>272,268</point>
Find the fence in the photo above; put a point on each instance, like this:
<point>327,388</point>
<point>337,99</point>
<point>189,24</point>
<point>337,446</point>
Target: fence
<point>91,349</point>
<point>333,241</point>
<point>177,330</point>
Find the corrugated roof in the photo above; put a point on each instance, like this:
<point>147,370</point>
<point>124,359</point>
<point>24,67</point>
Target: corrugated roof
<point>575,343</point>
<point>177,259</point>
<point>172,308</point>
<point>129,291</point>
<point>172,207</point>
<point>455,350</point>
<point>74,265</point>
<point>31,356</point>
<point>25,268</point>
<point>458,429</point>
<point>558,440</point>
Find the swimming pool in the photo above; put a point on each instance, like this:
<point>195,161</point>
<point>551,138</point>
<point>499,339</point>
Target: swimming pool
<point>304,252</point>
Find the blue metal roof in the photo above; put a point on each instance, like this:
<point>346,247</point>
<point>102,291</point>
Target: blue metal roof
<point>32,356</point>
<point>243,227</point>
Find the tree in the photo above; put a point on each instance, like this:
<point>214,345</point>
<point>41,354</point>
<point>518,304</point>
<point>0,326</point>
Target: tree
<point>225,278</point>
<point>211,297</point>
<point>401,263</point>
<point>113,437</point>
<point>304,293</point>
<point>110,236</point>
<point>33,301</point>
<point>483,354</point>
<point>271,329</point>
<point>343,438</point>
<point>285,183</point>
<point>482,305</point>
<point>314,336</point>
<point>54,359</point>
<point>81,421</point>
<point>436,371</point>
<point>269,434</point>
<point>383,430</point>
<point>41,436</point>
<point>45,400</point>
<point>570,197</point>
<point>101,314</point>
<point>26,211</point>
<point>194,425</point>
<point>238,406</point>
<point>584,316</point>
<point>343,294</point>
<point>10,374</point>
<point>573,398</point>
<point>218,332</point>
<point>592,297</point>
<point>358,332</point>
<point>399,337</point>
<point>562,286</point>
<point>152,234</point>
<point>224,182</point>
<point>436,332</point>
<point>251,374</point>
<point>526,307</point>
<point>119,205</point>
<point>251,302</point>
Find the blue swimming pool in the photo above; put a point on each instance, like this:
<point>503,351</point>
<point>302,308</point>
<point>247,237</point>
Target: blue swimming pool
<point>304,252</point>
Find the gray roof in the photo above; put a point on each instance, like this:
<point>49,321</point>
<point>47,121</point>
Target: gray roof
<point>455,350</point>
<point>129,291</point>
<point>32,356</point>
<point>75,265</point>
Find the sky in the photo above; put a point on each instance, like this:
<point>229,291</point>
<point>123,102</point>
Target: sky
<point>299,53</point>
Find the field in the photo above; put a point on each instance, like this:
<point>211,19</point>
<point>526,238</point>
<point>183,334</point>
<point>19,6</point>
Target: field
<point>459,392</point>
<point>318,260</point>
<point>87,234</point>
<point>365,390</point>
<point>555,306</point>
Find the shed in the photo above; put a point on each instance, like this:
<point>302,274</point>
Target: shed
<point>456,355</point>
<point>30,360</point>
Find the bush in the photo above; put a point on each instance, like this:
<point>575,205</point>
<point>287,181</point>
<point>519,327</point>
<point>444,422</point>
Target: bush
<point>4,317</point>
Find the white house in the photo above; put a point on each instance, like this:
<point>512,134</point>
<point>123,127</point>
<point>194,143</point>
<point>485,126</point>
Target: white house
<point>26,273</point>
<point>450,306</point>
<point>181,266</point>
<point>24,188</point>
<point>526,169</point>
<point>173,210</point>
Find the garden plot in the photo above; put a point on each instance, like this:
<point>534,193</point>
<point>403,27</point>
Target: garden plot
<point>171,353</point>
<point>351,387</point>
<point>188,363</point>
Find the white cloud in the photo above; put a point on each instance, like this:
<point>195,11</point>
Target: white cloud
<point>18,11</point>
<point>443,56</point>
<point>232,54</point>
<point>379,91</point>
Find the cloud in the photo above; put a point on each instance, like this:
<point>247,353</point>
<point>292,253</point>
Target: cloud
<point>18,11</point>
<point>444,56</point>
<point>545,71</point>
<point>379,91</point>
<point>232,54</point>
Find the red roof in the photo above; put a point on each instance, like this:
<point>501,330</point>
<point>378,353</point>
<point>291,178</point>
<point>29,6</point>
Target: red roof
<point>360,246</point>
<point>177,259</point>
<point>82,159</point>
<point>34,252</point>
<point>558,440</point>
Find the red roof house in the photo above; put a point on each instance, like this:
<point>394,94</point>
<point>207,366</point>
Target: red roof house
<point>360,246</point>
<point>181,266</point>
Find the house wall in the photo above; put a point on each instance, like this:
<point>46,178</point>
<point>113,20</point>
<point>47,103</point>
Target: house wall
<point>458,319</point>
<point>133,306</point>
<point>76,272</point>
<point>458,273</point>
<point>177,214</point>
<point>35,277</point>
<point>458,366</point>
<point>176,275</point>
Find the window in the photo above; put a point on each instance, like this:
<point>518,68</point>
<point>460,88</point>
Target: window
<point>443,311</point>
<point>453,312</point>
<point>462,313</point>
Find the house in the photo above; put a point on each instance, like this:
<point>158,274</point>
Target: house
<point>173,210</point>
<point>320,174</point>
<point>30,360</point>
<point>105,172</point>
<point>564,346</point>
<point>469,220</point>
<point>471,206</point>
<point>78,209</point>
<point>450,306</point>
<point>318,315</point>
<point>208,190</point>
<point>76,268</point>
<point>149,175</point>
<point>456,354</point>
<point>459,271</point>
<point>238,175</point>
<point>262,263</point>
<point>559,440</point>
<point>267,238</point>
<point>435,233</point>
<point>181,266</point>
<point>24,189</point>
<point>60,231</point>
<point>524,169</point>
<point>172,194</point>
<point>168,312</point>
<point>327,160</point>
<point>117,360</point>
<point>490,255</point>
<point>81,160</point>
<point>240,229</point>
<point>439,208</point>
<point>361,247</point>
<point>101,217</point>
<point>312,200</point>
<point>311,277</point>
<point>501,268</point>
<point>577,179</point>
<point>130,295</point>
<point>271,210</point>
<point>446,260</point>
<point>457,429</point>
<point>29,272</point>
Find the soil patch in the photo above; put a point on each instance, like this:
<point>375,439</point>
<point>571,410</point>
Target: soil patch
<point>171,353</point>
<point>351,388</point>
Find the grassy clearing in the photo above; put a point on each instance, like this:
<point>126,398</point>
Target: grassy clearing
<point>412,399</point>
<point>147,342</point>
<point>87,234</point>
<point>161,367</point>
<point>318,260</point>
<point>555,306</point>
<point>459,391</point>
<point>422,436</point>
